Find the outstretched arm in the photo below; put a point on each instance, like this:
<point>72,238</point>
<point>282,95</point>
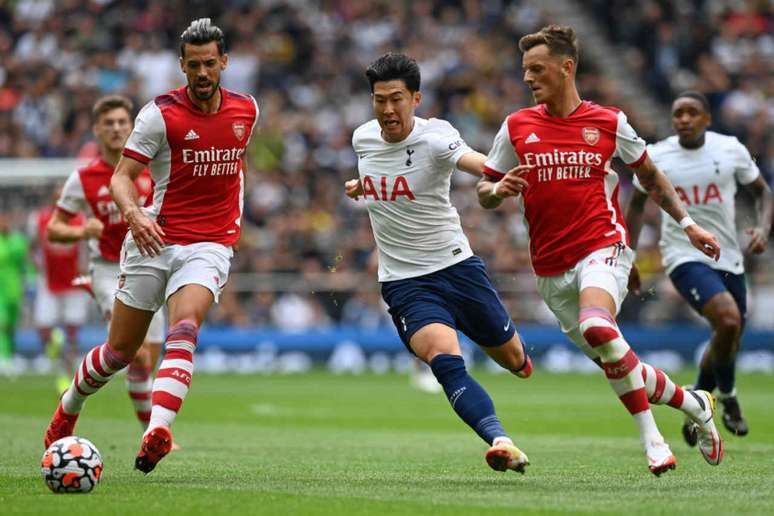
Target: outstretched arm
<point>146,232</point>
<point>663,193</point>
<point>759,234</point>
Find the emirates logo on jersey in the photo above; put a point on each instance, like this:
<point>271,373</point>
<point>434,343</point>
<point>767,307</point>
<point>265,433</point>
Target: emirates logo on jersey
<point>591,135</point>
<point>239,130</point>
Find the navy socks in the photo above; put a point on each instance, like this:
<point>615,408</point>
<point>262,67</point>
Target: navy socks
<point>468,399</point>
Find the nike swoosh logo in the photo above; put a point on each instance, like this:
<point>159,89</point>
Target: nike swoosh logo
<point>505,328</point>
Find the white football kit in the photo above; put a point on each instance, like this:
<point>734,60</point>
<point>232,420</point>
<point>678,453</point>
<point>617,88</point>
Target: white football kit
<point>406,189</point>
<point>705,180</point>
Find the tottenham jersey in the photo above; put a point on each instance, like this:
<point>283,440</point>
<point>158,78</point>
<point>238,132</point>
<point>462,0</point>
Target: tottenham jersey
<point>406,189</point>
<point>705,180</point>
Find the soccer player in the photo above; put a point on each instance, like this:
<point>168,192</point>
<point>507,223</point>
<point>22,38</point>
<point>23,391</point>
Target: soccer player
<point>57,301</point>
<point>14,249</point>
<point>563,147</point>
<point>430,278</point>
<point>705,167</point>
<point>87,191</point>
<point>178,251</point>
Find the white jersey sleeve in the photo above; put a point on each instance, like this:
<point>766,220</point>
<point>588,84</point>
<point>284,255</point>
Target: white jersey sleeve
<point>73,198</point>
<point>628,145</point>
<point>502,157</point>
<point>149,132</point>
<point>745,169</point>
<point>446,145</point>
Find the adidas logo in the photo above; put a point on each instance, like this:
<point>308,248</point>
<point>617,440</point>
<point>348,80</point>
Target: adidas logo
<point>532,138</point>
<point>191,135</point>
<point>103,190</point>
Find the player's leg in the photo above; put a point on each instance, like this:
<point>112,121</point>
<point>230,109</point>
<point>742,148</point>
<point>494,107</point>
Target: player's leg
<point>426,326</point>
<point>602,279</point>
<point>480,314</point>
<point>196,281</point>
<point>727,312</point>
<point>74,311</point>
<point>100,364</point>
<point>721,298</point>
<point>139,374</point>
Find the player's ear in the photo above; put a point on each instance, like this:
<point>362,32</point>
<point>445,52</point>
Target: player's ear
<point>223,61</point>
<point>182,64</point>
<point>568,66</point>
<point>417,98</point>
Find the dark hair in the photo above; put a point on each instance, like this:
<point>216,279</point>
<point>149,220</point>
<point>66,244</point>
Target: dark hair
<point>201,32</point>
<point>109,103</point>
<point>560,40</point>
<point>695,95</point>
<point>393,66</point>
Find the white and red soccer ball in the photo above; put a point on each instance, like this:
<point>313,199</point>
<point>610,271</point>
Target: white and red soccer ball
<point>71,465</point>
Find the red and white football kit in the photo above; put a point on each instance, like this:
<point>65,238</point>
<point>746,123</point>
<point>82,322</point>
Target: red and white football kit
<point>57,302</point>
<point>87,190</point>
<point>196,161</point>
<point>577,232</point>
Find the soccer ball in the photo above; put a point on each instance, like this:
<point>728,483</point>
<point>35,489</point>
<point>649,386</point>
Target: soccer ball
<point>71,465</point>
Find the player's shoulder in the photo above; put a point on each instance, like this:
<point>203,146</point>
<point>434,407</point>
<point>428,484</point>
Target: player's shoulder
<point>526,113</point>
<point>718,141</point>
<point>169,99</point>
<point>95,166</point>
<point>664,147</point>
<point>367,133</point>
<point>245,100</point>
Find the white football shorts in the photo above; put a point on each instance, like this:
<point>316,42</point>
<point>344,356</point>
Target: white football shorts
<point>146,282</point>
<point>69,308</point>
<point>104,284</point>
<point>607,268</point>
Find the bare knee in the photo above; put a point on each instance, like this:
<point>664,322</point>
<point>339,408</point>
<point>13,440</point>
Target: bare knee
<point>433,340</point>
<point>728,322</point>
<point>510,356</point>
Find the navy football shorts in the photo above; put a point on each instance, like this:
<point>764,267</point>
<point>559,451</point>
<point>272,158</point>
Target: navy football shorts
<point>698,283</point>
<point>460,296</point>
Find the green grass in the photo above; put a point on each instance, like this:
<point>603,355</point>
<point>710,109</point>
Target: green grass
<point>322,444</point>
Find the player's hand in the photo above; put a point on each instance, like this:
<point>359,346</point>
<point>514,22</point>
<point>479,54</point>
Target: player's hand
<point>704,241</point>
<point>512,183</point>
<point>353,189</point>
<point>93,228</point>
<point>759,240</point>
<point>635,283</point>
<point>146,232</point>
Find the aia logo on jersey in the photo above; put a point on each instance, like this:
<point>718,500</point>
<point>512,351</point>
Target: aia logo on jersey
<point>387,192</point>
<point>239,130</point>
<point>694,195</point>
<point>591,135</point>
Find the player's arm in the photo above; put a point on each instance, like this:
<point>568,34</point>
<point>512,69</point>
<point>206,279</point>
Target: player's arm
<point>655,182</point>
<point>759,234</point>
<point>353,189</point>
<point>146,232</point>
<point>634,216</point>
<point>60,230</point>
<point>492,191</point>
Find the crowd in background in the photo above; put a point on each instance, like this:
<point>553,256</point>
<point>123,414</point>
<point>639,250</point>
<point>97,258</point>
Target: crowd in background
<point>305,62</point>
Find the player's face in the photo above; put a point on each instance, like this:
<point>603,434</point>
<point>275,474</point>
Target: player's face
<point>394,107</point>
<point>545,74</point>
<point>202,65</point>
<point>690,119</point>
<point>112,128</point>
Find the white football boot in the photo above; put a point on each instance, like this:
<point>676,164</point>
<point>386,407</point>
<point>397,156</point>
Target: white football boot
<point>504,455</point>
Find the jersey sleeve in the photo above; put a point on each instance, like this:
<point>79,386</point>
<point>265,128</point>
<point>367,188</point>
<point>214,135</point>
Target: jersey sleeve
<point>628,145</point>
<point>255,120</point>
<point>652,152</point>
<point>502,157</point>
<point>73,199</point>
<point>447,145</point>
<point>745,169</point>
<point>148,134</point>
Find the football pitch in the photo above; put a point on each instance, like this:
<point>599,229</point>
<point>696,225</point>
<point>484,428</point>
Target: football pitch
<point>340,445</point>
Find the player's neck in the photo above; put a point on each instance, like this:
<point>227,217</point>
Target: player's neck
<point>111,157</point>
<point>211,105</point>
<point>695,144</point>
<point>564,104</point>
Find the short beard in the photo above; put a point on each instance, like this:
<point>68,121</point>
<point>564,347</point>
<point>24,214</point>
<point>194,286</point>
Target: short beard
<point>215,87</point>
